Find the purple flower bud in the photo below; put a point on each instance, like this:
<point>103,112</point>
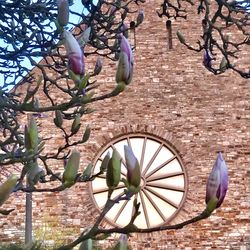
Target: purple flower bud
<point>126,62</point>
<point>207,59</point>
<point>75,54</point>
<point>124,30</point>
<point>140,17</point>
<point>63,12</point>
<point>217,182</point>
<point>133,167</point>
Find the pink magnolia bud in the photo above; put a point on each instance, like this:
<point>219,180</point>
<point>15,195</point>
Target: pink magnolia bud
<point>75,54</point>
<point>207,59</point>
<point>124,71</point>
<point>133,167</point>
<point>124,30</point>
<point>63,12</point>
<point>140,17</point>
<point>217,182</point>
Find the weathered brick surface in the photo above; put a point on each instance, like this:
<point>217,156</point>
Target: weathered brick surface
<point>172,96</point>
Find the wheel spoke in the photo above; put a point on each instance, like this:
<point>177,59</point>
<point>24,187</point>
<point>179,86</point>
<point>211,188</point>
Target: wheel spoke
<point>152,159</point>
<point>145,210</point>
<point>164,176</point>
<point>164,164</point>
<point>143,153</point>
<point>169,187</point>
<point>120,210</point>
<point>161,197</point>
<point>154,205</point>
<point>105,189</point>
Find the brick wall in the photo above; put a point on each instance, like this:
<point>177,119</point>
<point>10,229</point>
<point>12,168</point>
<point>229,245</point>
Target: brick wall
<point>173,96</point>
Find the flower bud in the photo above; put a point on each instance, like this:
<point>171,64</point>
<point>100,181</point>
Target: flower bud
<point>105,163</point>
<point>86,134</point>
<point>98,66</point>
<point>7,187</point>
<point>71,169</point>
<point>133,168</point>
<point>84,37</point>
<point>140,17</point>
<point>207,59</point>
<point>124,30</point>
<point>217,184</point>
<point>75,54</point>
<point>87,172</point>
<point>113,175</point>
<point>31,135</point>
<point>124,71</point>
<point>58,120</point>
<point>63,12</point>
<point>223,64</point>
<point>76,124</point>
<point>34,173</point>
<point>180,36</point>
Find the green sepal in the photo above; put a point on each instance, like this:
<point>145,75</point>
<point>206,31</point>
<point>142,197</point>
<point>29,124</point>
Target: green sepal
<point>87,98</point>
<point>105,162</point>
<point>31,135</point>
<point>34,173</point>
<point>58,120</point>
<point>134,189</point>
<point>211,205</point>
<point>86,134</point>
<point>87,172</point>
<point>7,187</point>
<point>76,78</point>
<point>119,88</point>
<point>130,188</point>
<point>83,82</point>
<point>180,36</point>
<point>71,169</point>
<point>27,142</point>
<point>76,124</point>
<point>113,174</point>
<point>223,64</point>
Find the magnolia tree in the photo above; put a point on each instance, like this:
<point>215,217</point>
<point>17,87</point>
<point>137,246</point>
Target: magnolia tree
<point>225,33</point>
<point>32,31</point>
